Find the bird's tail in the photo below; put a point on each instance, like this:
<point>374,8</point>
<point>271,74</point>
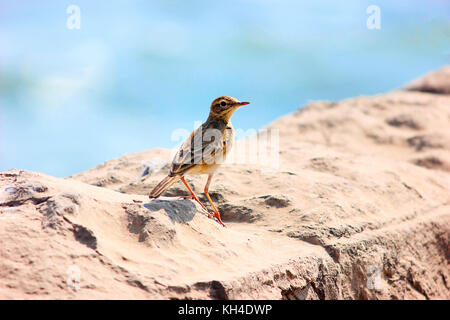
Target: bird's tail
<point>165,184</point>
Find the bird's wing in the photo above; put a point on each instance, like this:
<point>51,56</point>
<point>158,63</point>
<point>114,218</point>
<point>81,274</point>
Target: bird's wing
<point>203,146</point>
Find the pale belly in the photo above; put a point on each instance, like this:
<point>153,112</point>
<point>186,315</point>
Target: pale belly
<point>203,169</point>
<point>212,167</point>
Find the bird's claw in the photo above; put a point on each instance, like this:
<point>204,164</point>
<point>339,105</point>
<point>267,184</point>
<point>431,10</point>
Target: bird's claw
<point>212,215</point>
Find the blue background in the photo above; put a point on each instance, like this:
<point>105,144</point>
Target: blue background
<point>138,70</point>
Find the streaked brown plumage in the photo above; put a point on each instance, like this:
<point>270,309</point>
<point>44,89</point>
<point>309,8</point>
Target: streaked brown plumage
<point>204,150</point>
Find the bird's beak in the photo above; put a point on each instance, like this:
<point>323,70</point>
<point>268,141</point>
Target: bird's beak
<point>240,104</point>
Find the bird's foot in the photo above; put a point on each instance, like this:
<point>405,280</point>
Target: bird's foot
<point>216,216</point>
<point>189,197</point>
<point>209,214</point>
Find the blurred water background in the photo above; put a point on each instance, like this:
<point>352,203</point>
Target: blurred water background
<point>137,70</point>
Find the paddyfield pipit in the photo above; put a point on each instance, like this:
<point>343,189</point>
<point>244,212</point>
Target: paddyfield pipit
<point>204,150</point>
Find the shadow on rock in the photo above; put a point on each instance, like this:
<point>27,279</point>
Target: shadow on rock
<point>154,222</point>
<point>180,211</point>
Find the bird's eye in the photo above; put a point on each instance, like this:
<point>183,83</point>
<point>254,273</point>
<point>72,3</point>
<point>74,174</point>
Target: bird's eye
<point>223,104</point>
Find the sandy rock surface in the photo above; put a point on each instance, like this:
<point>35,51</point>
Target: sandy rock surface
<point>358,208</point>
<point>436,82</point>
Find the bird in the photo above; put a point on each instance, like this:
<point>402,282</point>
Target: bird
<point>204,151</point>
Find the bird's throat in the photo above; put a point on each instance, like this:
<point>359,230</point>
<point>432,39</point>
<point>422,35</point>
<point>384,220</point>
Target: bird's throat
<point>225,116</point>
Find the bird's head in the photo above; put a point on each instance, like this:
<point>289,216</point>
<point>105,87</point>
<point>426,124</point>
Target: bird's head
<point>224,107</point>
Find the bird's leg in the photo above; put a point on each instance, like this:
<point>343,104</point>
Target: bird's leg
<point>216,212</point>
<point>194,196</point>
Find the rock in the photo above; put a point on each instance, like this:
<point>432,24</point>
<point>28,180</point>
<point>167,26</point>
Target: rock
<point>154,223</point>
<point>429,141</point>
<point>56,208</point>
<point>405,120</point>
<point>432,162</point>
<point>85,236</point>
<point>435,82</point>
<point>230,212</point>
<point>357,209</point>
<point>19,193</point>
<point>276,201</point>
